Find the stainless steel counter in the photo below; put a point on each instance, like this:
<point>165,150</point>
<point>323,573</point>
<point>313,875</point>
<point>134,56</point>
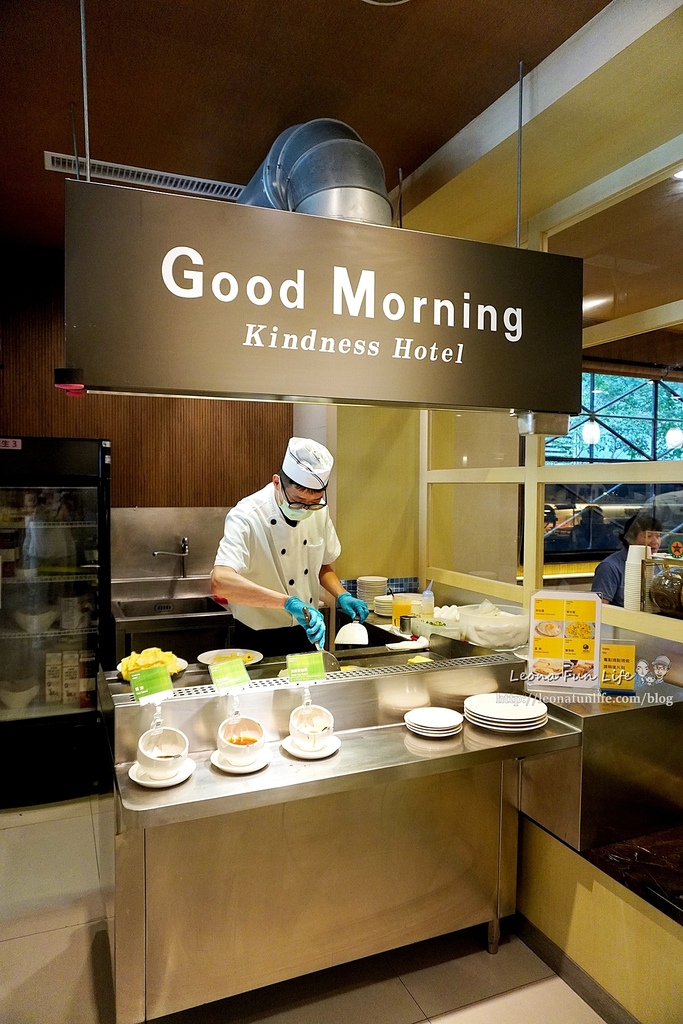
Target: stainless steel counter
<point>625,779</point>
<point>226,883</point>
<point>368,705</point>
<point>366,757</point>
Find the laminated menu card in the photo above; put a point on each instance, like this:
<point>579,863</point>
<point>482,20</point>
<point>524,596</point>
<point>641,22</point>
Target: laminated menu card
<point>151,685</point>
<point>564,638</point>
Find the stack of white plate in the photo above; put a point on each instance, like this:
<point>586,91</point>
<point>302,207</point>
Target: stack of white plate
<point>434,723</point>
<point>370,587</point>
<point>505,712</point>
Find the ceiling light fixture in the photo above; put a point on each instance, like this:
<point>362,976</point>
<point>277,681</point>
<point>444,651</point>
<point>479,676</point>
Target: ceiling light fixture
<point>674,438</point>
<point>590,432</point>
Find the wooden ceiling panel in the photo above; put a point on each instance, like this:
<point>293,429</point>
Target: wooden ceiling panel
<point>203,88</point>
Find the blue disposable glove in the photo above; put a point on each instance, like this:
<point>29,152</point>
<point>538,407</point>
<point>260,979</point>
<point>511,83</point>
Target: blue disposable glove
<point>315,626</point>
<point>353,606</point>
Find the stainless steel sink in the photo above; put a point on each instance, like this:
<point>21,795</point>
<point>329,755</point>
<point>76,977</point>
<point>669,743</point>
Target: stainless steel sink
<point>186,624</point>
<point>144,608</point>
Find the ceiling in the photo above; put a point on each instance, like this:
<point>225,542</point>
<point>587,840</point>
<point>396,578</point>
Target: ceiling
<point>203,87</point>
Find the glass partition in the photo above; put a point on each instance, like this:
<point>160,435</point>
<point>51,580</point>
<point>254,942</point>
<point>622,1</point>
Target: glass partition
<point>474,528</point>
<point>472,440</point>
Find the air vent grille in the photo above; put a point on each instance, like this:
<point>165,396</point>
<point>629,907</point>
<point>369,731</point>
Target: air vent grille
<point>127,175</point>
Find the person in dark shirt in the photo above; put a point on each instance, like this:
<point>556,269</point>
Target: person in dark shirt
<point>608,580</point>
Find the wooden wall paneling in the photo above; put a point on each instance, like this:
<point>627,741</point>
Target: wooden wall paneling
<point>166,452</point>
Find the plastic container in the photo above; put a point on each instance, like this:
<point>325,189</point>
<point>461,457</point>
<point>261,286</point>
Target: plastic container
<point>498,628</point>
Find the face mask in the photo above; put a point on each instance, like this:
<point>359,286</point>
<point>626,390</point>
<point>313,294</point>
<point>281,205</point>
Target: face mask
<point>295,514</point>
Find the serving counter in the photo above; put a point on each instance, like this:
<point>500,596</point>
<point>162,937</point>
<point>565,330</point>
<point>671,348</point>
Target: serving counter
<point>226,883</point>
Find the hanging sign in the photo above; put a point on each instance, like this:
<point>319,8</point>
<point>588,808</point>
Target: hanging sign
<point>169,294</point>
<point>564,640</point>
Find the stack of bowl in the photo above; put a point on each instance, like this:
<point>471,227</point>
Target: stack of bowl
<point>370,587</point>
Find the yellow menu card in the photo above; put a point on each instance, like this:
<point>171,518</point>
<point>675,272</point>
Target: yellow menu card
<point>564,638</point>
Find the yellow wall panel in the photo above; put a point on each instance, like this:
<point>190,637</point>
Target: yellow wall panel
<point>632,950</point>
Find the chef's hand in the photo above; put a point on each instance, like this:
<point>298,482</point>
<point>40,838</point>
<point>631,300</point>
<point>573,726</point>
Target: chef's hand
<point>353,606</point>
<point>315,627</point>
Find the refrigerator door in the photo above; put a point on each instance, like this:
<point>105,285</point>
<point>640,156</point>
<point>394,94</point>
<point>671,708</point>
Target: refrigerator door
<point>54,611</point>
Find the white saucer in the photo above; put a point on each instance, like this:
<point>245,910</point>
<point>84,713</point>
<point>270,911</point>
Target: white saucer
<point>136,773</point>
<point>331,747</point>
<point>241,769</point>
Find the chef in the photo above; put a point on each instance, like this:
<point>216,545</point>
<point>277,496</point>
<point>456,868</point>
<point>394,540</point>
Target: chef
<point>277,551</point>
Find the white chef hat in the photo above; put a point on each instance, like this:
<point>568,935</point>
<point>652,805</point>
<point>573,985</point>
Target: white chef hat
<point>307,463</point>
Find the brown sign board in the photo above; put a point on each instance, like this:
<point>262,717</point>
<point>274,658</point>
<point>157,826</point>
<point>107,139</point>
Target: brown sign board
<point>168,294</point>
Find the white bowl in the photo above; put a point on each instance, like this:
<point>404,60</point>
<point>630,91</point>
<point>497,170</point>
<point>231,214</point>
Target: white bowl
<point>15,698</point>
<point>36,622</point>
<point>311,726</point>
<point>241,742</point>
<point>162,753</point>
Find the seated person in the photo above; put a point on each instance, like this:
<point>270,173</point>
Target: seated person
<point>608,580</point>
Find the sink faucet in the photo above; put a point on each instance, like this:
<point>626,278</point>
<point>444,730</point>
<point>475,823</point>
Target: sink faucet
<point>182,554</point>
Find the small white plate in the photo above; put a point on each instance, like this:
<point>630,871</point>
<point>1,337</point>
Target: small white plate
<point>136,773</point>
<point>181,662</point>
<point>228,653</point>
<point>241,769</point>
<point>430,734</point>
<point>331,747</point>
<point>433,719</point>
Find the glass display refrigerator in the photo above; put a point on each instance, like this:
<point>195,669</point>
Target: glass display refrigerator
<point>55,616</point>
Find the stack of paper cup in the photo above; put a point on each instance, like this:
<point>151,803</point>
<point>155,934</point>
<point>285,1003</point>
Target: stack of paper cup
<point>636,554</point>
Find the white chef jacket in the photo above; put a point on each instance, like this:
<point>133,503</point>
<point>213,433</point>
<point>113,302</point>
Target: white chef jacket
<point>259,545</point>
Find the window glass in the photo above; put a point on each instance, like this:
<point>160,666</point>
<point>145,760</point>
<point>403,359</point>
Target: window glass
<point>585,522</point>
<point>623,419</point>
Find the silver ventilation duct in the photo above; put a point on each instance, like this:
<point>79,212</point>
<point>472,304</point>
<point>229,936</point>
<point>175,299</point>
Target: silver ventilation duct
<point>324,168</point>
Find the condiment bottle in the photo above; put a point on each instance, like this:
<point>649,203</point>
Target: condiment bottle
<point>427,603</point>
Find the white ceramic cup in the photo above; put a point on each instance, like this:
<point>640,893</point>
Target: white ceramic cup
<point>162,753</point>
<point>311,726</point>
<point>241,742</point>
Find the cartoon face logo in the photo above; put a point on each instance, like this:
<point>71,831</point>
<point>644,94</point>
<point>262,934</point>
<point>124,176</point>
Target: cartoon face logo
<point>660,666</point>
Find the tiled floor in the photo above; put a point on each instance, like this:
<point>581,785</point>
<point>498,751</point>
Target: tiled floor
<point>54,954</point>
